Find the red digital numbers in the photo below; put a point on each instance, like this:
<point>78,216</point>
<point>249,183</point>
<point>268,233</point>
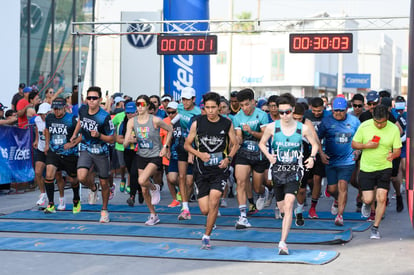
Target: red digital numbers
<point>189,44</point>
<point>320,43</point>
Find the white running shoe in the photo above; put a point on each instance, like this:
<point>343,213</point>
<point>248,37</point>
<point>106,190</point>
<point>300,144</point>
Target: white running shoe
<point>334,208</point>
<point>62,204</point>
<point>155,195</point>
<point>242,223</point>
<point>260,203</point>
<point>42,199</point>
<point>93,196</point>
<point>366,210</point>
<point>152,220</point>
<point>223,203</point>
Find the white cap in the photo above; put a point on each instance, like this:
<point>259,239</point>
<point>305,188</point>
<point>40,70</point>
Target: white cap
<point>44,108</point>
<point>172,105</point>
<point>118,99</point>
<point>166,97</point>
<point>187,93</point>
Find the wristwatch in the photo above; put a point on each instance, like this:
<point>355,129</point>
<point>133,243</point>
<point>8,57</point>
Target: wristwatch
<point>230,158</point>
<point>166,146</point>
<point>313,157</point>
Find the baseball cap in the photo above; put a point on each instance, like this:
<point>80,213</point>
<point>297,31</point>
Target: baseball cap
<point>172,105</point>
<point>339,103</point>
<point>261,102</point>
<point>58,103</point>
<point>386,101</point>
<point>44,108</point>
<point>399,99</point>
<point>22,86</point>
<point>187,93</point>
<point>118,99</point>
<point>2,107</point>
<point>130,107</point>
<point>372,96</point>
<point>166,97</point>
<point>27,90</point>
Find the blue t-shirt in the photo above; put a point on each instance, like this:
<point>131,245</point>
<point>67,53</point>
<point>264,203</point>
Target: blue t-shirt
<point>100,122</point>
<point>316,120</point>
<point>256,121</point>
<point>60,132</point>
<point>186,116</point>
<point>161,114</point>
<point>338,135</point>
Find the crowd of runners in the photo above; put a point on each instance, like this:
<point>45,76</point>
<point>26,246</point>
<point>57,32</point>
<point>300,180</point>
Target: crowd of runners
<point>279,147</point>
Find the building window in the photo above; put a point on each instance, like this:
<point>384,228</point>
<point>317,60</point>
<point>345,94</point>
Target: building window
<point>277,70</point>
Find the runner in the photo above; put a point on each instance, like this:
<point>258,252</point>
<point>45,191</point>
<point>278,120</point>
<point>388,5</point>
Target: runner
<point>61,153</point>
<point>150,151</point>
<point>97,131</point>
<point>249,124</point>
<point>287,168</point>
<point>380,143</point>
<point>212,134</point>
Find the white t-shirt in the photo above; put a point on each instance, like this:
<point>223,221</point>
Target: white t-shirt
<point>40,125</point>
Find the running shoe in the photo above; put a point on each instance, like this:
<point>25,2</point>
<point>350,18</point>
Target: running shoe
<point>300,221</point>
<point>252,209</point>
<point>178,196</point>
<point>205,243</point>
<point>50,209</point>
<point>76,207</point>
<point>131,201</point>
<point>365,210</point>
<point>327,195</point>
<point>268,202</point>
<point>152,220</point>
<point>375,234</point>
<point>339,220</point>
<point>155,195</point>
<point>128,189</point>
<point>283,249</point>
<point>223,203</point>
<point>42,199</point>
<point>312,213</point>
<point>112,191</point>
<point>62,204</point>
<point>140,198</point>
<point>242,223</point>
<point>334,208</point>
<point>93,196</point>
<point>184,215</point>
<point>278,214</point>
<point>122,186</point>
<point>174,203</point>
<point>400,205</point>
<point>104,216</point>
<point>261,200</point>
<point>371,217</point>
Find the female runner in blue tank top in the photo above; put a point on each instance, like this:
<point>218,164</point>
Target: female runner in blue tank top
<point>286,162</point>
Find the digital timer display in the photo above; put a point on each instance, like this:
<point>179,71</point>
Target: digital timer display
<point>320,43</point>
<point>186,44</point>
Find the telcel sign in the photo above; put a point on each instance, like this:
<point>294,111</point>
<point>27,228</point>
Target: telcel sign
<point>362,81</point>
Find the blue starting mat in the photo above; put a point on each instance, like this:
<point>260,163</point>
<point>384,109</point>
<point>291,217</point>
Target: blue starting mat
<point>197,220</point>
<point>166,250</point>
<point>174,233</point>
<point>195,210</point>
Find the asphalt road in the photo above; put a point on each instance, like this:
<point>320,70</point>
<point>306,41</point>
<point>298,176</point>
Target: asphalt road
<point>393,254</point>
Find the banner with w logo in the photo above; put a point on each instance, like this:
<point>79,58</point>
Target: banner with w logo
<point>15,155</point>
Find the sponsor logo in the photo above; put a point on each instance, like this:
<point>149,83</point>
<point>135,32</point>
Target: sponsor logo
<point>140,40</point>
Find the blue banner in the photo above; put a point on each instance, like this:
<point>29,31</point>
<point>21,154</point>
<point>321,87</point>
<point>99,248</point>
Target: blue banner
<point>15,155</point>
<point>362,81</point>
<point>186,70</point>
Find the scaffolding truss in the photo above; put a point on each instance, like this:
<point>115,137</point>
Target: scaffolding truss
<point>323,23</point>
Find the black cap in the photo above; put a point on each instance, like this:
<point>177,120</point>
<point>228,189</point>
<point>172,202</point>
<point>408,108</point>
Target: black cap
<point>58,103</point>
<point>22,86</point>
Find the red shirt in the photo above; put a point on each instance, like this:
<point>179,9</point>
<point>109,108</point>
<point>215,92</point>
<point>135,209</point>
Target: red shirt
<point>22,121</point>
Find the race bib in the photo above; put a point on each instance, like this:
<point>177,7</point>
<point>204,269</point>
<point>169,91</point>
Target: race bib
<point>59,139</point>
<point>145,144</point>
<point>250,145</point>
<point>214,160</point>
<point>96,149</point>
<point>342,138</point>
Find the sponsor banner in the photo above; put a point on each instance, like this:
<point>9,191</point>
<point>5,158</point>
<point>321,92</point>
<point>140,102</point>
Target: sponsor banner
<point>361,81</point>
<point>140,64</point>
<point>326,80</point>
<point>186,70</point>
<point>15,155</point>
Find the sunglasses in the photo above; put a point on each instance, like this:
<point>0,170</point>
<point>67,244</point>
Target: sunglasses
<point>92,97</point>
<point>171,113</point>
<point>339,110</point>
<point>285,112</point>
<point>358,105</point>
<point>372,103</point>
<point>141,104</point>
